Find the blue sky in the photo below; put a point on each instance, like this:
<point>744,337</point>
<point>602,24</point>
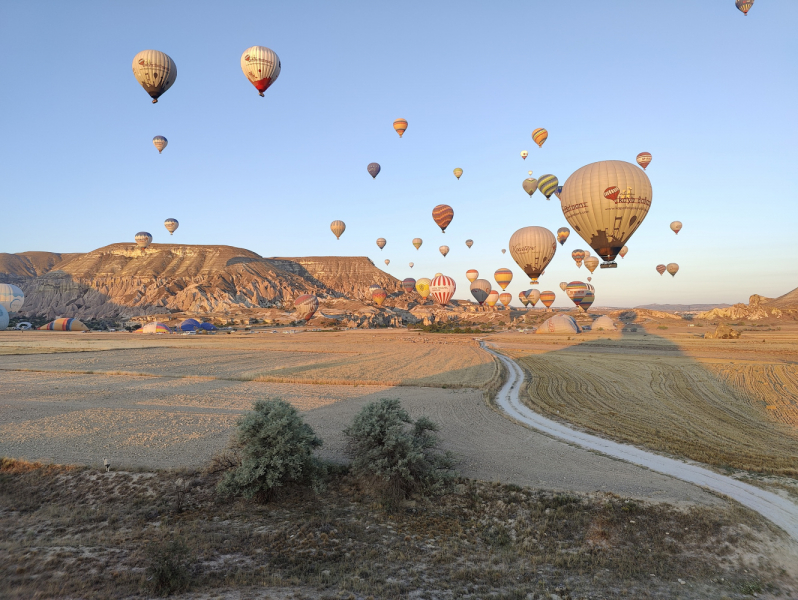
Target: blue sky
<point>709,92</point>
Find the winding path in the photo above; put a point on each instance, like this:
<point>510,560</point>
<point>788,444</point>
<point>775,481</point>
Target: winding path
<point>776,509</point>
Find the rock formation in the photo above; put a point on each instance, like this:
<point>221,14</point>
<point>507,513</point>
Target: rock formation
<point>723,332</point>
<point>758,308</point>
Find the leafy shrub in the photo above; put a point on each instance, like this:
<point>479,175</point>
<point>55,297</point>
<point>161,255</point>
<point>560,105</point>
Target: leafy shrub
<point>395,456</point>
<point>276,448</point>
<point>168,568</point>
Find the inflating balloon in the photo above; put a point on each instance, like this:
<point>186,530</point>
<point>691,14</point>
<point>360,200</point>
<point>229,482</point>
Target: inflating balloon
<point>262,67</point>
<point>443,215</point>
<point>171,225</point>
<point>337,227</point>
<point>155,72</point>
<point>444,250</point>
<point>503,277</point>
<point>458,172</point>
<point>417,243</point>
<point>480,288</point>
<point>676,227</point>
<point>400,125</point>
<point>472,275</point>
<point>532,248</point>
<point>306,306</point>
<point>644,159</point>
<point>540,136</point>
<point>530,186</point>
<point>373,169</point>
<point>442,289</point>
<point>160,142</point>
<point>562,235</point>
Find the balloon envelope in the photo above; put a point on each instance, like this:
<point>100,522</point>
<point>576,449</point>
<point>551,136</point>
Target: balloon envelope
<point>672,268</point>
<point>532,296</point>
<point>623,251</point>
<point>643,159</point>
<point>547,298</point>
<point>379,296</point>
<point>472,274</point>
<point>337,227</point>
<point>408,284</point>
<point>417,242</point>
<point>576,290</point>
<point>591,263</point>
<point>661,269</point>
<point>444,250</point>
<point>143,239</point>
<point>493,298</point>
<point>503,277</point>
<point>469,243</point>
<point>400,125</point>
<point>442,289</point>
<point>558,191</point>
<point>443,215</point>
<point>547,185</point>
<point>532,248</point>
<point>422,287</point>
<point>505,298</point>
<point>373,169</point>
<point>381,243</point>
<point>522,297</point>
<point>171,225</point>
<point>155,72</point>
<point>676,227</point>
<point>578,256</point>
<point>11,297</point>
<point>563,285</point>
<point>587,300</point>
<point>606,224</point>
<point>480,288</point>
<point>411,265</point>
<point>262,67</point>
<point>387,261</point>
<point>524,154</point>
<point>530,186</point>
<point>562,235</point>
<point>458,172</point>
<point>744,6</point>
<point>306,306</point>
<point>540,135</point>
<point>160,142</point>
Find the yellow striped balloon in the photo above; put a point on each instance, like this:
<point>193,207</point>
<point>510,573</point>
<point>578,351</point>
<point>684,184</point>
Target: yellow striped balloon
<point>337,227</point>
<point>503,277</point>
<point>262,67</point>
<point>472,275</point>
<point>155,72</point>
<point>160,142</point>
<point>744,6</point>
<point>422,286</point>
<point>562,235</point>
<point>547,298</point>
<point>547,185</point>
<point>539,136</point>
<point>522,297</point>
<point>400,125</point>
<point>505,298</point>
<point>379,296</point>
<point>493,298</point>
<point>458,172</point>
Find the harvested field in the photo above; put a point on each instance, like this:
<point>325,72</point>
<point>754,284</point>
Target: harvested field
<point>721,402</point>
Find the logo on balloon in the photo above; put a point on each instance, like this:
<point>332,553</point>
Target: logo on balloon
<point>612,192</point>
<point>246,58</point>
<point>141,62</point>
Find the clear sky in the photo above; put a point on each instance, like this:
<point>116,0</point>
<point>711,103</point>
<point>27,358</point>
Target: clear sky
<point>709,92</point>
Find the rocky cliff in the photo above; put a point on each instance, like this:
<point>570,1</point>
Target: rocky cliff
<point>758,308</point>
<point>122,281</point>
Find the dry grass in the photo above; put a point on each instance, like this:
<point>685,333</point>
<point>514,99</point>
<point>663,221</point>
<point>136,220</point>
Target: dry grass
<point>78,533</point>
<point>775,386</point>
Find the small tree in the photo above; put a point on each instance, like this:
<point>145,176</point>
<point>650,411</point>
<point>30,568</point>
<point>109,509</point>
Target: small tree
<point>276,449</point>
<point>395,455</point>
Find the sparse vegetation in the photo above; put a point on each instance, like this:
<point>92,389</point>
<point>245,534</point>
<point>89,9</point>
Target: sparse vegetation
<point>168,567</point>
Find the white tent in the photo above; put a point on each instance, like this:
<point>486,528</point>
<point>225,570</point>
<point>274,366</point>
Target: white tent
<point>559,324</point>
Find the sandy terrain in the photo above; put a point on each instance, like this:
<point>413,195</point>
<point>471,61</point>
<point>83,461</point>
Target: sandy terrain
<point>173,417</point>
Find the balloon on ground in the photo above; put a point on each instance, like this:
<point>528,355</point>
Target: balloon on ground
<point>11,297</point>
<point>306,306</point>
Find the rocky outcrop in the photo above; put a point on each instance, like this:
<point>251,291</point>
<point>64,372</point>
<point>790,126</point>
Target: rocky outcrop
<point>723,332</point>
<point>758,308</point>
<point>638,315</point>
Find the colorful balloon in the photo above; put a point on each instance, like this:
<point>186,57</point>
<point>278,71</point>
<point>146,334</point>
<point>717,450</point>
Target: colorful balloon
<point>422,287</point>
<point>576,291</point>
<point>524,154</point>
<point>408,284</point>
<point>469,243</point>
<point>337,227</point>
<point>661,269</point>
<point>480,288</point>
<point>623,251</point>
<point>262,67</point>
<point>578,256</point>
<point>540,135</point>
<point>373,169</point>
<point>676,227</point>
<point>379,296</point>
<point>587,301</point>
<point>562,235</point>
<point>606,224</point>
<point>458,172</point>
<point>143,239</point>
<point>493,298</point>
<point>530,186</point>
<point>591,263</point>
<point>523,299</point>
<point>532,248</point>
<point>672,268</point>
<point>171,225</point>
<point>159,142</point>
<point>442,289</point>
<point>306,306</point>
<point>443,215</point>
<point>744,6</point>
<point>503,277</point>
<point>533,296</point>
<point>558,191</point>
<point>400,125</point>
<point>547,298</point>
<point>563,285</point>
<point>387,262</point>
<point>11,297</point>
<point>417,242</point>
<point>644,159</point>
<point>472,275</point>
<point>444,250</point>
<point>155,72</point>
<point>547,185</point>
<point>381,243</point>
<point>505,298</point>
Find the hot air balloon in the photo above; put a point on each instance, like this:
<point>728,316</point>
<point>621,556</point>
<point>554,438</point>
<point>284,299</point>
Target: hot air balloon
<point>591,263</point>
<point>379,296</point>
<point>171,225</point>
<point>547,298</point>
<point>676,227</point>
<point>387,262</point>
<point>532,248</point>
<point>444,250</point>
<point>469,243</point>
<point>400,125</point>
<point>306,306</point>
<point>373,169</point>
<point>744,6</point>
<point>578,256</point>
<point>672,268</point>
<point>577,290</point>
<point>417,242</point>
<point>643,159</point>
<point>547,185</point>
<point>587,301</point>
<point>381,243</point>
<point>562,235</point>
<point>143,239</point>
<point>540,135</point>
<point>505,298</point>
<point>155,71</point>
<point>493,298</point>
<point>590,279</point>
<point>337,227</point>
<point>587,254</point>
<point>503,277</point>
<point>411,265</point>
<point>604,222</point>
<point>530,173</point>
<point>623,251</point>
<point>437,275</point>
<point>522,298</point>
<point>524,154</point>
<point>262,67</point>
<point>558,191</point>
<point>530,186</point>
<point>408,284</point>
<point>160,142</point>
<point>458,172</point>
<point>472,275</point>
<point>11,297</point>
<point>443,215</point>
<point>661,269</point>
<point>374,286</point>
<point>504,250</point>
<point>563,285</point>
<point>422,287</point>
<point>533,297</point>
<point>442,289</point>
<point>480,288</point>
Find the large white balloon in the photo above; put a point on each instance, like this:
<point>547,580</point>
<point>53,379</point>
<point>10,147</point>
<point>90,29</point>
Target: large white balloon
<point>3,318</point>
<point>442,289</point>
<point>605,202</point>
<point>262,67</point>
<point>11,297</point>
<point>155,71</point>
<point>533,248</point>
